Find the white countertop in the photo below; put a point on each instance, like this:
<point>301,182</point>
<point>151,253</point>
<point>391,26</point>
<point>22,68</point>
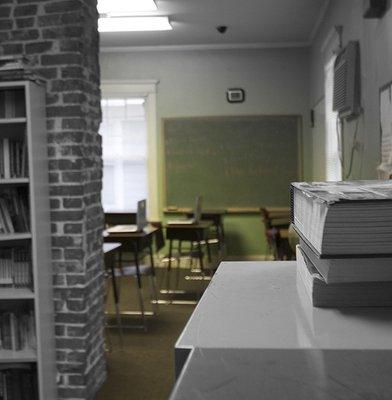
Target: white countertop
<point>255,335</point>
<point>258,305</point>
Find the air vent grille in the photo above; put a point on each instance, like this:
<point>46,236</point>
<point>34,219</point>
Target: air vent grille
<point>346,90</point>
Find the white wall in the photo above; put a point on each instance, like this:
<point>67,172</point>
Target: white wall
<point>375,38</point>
<point>194,83</point>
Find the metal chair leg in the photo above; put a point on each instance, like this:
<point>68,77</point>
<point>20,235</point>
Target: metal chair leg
<point>119,325</point>
<point>139,286</point>
<point>178,274</point>
<point>154,293</point>
<point>116,299</point>
<point>142,309</point>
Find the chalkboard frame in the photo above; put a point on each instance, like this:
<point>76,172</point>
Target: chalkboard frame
<point>229,210</point>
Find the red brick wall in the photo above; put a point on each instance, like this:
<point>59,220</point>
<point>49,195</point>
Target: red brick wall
<point>61,40</point>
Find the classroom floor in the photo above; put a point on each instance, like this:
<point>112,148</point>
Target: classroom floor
<point>144,368</point>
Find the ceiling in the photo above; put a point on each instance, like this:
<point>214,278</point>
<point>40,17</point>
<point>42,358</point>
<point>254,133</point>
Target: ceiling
<point>251,23</point>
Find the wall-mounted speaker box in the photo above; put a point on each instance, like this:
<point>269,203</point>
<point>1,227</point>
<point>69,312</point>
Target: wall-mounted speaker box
<point>374,8</point>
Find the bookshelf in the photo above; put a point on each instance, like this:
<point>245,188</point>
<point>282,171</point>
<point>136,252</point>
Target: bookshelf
<point>26,298</point>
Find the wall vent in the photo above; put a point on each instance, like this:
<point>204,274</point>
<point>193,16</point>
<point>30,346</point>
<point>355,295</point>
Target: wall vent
<point>347,82</point>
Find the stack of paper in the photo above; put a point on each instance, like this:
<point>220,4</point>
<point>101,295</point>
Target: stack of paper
<point>345,255</point>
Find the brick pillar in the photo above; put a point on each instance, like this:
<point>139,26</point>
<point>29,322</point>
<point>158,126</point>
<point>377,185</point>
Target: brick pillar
<point>61,40</point>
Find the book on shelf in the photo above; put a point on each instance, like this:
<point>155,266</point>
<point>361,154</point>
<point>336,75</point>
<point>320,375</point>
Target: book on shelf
<point>355,269</point>
<point>344,219</point>
<point>18,382</point>
<point>15,267</point>
<point>17,330</point>
<point>14,210</point>
<point>351,294</point>
<point>12,103</point>
<point>13,158</point>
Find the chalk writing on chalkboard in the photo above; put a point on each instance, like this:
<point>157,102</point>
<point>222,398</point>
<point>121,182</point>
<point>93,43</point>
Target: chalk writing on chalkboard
<point>232,161</point>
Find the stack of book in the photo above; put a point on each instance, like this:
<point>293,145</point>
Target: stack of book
<point>14,211</point>
<point>18,382</point>
<point>17,330</point>
<point>344,258</point>
<point>13,158</point>
<point>15,267</point>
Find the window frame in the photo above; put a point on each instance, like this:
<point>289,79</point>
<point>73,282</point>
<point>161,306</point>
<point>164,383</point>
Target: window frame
<point>146,89</point>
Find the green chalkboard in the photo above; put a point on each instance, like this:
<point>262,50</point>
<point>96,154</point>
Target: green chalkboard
<point>245,161</point>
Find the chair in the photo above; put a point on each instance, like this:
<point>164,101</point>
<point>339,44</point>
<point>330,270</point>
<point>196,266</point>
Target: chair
<point>276,222</point>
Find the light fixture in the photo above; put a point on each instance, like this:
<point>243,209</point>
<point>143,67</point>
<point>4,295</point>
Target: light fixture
<point>125,7</point>
<point>132,24</point>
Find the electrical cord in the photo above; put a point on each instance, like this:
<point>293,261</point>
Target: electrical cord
<point>353,150</point>
<point>339,141</point>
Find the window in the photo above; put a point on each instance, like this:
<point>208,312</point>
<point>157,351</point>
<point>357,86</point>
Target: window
<point>124,144</point>
<point>333,167</point>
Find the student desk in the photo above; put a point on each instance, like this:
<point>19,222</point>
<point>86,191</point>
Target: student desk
<point>136,243</point>
<point>255,335</point>
<point>189,233</point>
<point>214,215</point>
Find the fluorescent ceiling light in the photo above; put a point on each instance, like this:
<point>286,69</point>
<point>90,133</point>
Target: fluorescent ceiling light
<point>125,7</point>
<point>132,24</point>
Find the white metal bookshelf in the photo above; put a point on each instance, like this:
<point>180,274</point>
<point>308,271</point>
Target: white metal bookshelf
<point>32,128</point>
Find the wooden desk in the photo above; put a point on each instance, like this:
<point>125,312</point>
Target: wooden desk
<point>256,335</point>
<point>189,233</point>
<point>214,215</point>
<point>136,243</point>
<point>142,238</point>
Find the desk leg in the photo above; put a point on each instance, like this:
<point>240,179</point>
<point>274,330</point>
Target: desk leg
<point>200,252</point>
<point>208,251</point>
<point>139,284</point>
<point>153,281</point>
<point>170,254</point>
<point>168,273</point>
<point>116,302</point>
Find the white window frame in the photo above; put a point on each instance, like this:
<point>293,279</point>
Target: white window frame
<point>148,90</point>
